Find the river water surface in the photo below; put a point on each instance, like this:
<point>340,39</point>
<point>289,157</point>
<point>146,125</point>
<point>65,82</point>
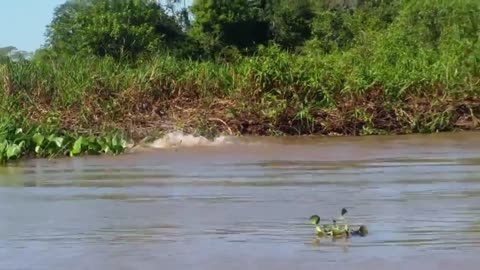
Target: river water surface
<point>245,205</point>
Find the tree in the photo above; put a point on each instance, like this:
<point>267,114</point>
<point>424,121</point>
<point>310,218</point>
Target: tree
<point>237,23</point>
<point>112,28</point>
<point>338,23</point>
<point>290,22</point>
<point>11,52</point>
<point>178,9</point>
<point>6,51</point>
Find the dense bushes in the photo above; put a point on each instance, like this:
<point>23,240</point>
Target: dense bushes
<point>112,28</point>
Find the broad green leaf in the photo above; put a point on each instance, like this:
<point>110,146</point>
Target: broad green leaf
<point>38,139</point>
<point>13,151</point>
<point>102,142</point>
<point>58,141</point>
<point>21,144</point>
<point>92,139</point>
<point>77,146</point>
<point>115,141</point>
<point>51,137</point>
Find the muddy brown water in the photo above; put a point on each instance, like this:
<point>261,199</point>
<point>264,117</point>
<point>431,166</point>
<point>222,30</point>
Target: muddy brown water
<point>245,205</point>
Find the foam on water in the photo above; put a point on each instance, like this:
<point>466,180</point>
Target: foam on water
<point>179,139</point>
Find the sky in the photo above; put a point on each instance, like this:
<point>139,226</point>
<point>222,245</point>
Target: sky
<point>23,22</point>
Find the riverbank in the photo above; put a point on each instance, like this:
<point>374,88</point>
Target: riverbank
<point>416,70</point>
<point>271,93</point>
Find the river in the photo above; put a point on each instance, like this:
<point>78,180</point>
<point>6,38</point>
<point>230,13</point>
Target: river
<point>245,203</point>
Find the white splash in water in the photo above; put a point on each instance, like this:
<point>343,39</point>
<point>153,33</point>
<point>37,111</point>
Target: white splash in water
<point>179,139</point>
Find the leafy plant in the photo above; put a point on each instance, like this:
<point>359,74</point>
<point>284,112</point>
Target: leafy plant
<point>41,142</point>
<point>112,28</point>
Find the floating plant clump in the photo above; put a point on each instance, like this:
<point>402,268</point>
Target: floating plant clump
<point>336,230</point>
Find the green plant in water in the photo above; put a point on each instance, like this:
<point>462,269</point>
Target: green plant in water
<point>335,230</point>
<point>9,150</point>
<point>42,142</point>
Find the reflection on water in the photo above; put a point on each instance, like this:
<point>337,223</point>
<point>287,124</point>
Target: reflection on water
<point>245,205</point>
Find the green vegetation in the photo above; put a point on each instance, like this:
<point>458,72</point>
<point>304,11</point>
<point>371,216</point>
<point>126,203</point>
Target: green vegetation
<point>335,230</point>
<point>13,53</point>
<point>264,67</point>
<point>44,141</point>
<point>114,28</point>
